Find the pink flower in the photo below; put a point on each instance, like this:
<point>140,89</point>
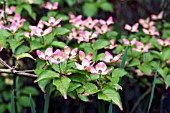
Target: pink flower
<point>109,58</point>
<point>70,54</point>
<point>109,21</point>
<point>17,20</point>
<point>127,42</point>
<point>146,23</point>
<point>11,10</point>
<point>39,32</point>
<point>100,68</point>
<point>44,56</point>
<point>58,57</point>
<point>85,65</point>
<point>72,34</point>
<point>112,44</point>
<point>141,48</point>
<point>53,22</point>
<point>133,28</point>
<point>89,23</point>
<point>168,61</point>
<point>157,17</point>
<point>103,29</point>
<point>51,6</point>
<point>166,42</point>
<point>28,34</point>
<point>80,24</point>
<point>12,28</point>
<point>151,31</point>
<point>74,19</point>
<point>83,56</point>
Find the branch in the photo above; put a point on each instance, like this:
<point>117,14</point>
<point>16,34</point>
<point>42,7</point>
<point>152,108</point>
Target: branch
<point>19,73</point>
<point>5,64</point>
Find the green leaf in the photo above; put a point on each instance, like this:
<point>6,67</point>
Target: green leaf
<point>152,91</point>
<point>12,103</point>
<point>90,9</point>
<point>58,44</point>
<point>4,33</point>
<point>61,31</point>
<point>110,95</point>
<point>3,41</point>
<point>89,89</point>
<point>24,101</point>
<point>118,72</point>
<point>48,39</point>
<point>64,17</point>
<point>24,55</point>
<point>83,98</point>
<point>100,43</point>
<point>134,62</point>
<point>47,74</point>
<point>71,2</point>
<point>166,54</point>
<point>43,83</point>
<point>29,89</point>
<point>163,72</point>
<point>99,56</point>
<point>32,105</point>
<point>147,57</point>
<point>78,78</point>
<point>22,49</point>
<point>106,6</point>
<point>73,86</point>
<point>14,43</point>
<point>145,68</point>
<point>167,81</point>
<point>111,34</point>
<point>62,85</point>
<point>36,45</point>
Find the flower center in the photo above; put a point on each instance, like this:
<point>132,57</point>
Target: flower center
<point>58,59</point>
<point>100,71</point>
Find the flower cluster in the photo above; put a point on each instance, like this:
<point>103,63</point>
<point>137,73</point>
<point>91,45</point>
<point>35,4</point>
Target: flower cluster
<point>39,30</point>
<point>82,33</point>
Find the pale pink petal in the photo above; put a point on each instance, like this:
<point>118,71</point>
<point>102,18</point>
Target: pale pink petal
<point>109,21</point>
<point>57,22</point>
<point>49,52</point>
<point>85,63</point>
<point>106,72</point>
<point>47,31</point>
<point>92,70</point>
<point>74,52</point>
<point>107,57</point>
<point>81,55</point>
<point>101,67</point>
<point>145,31</point>
<point>41,55</point>
<point>67,50</point>
<point>58,54</point>
<point>125,41</point>
<point>52,60</point>
<point>133,41</point>
<point>89,56</point>
<point>116,58</point>
<point>160,42</point>
<point>167,41</point>
<point>128,27</point>
<point>78,66</point>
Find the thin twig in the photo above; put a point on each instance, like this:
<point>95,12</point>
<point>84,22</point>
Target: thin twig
<point>19,73</point>
<point>5,64</point>
<point>140,99</point>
